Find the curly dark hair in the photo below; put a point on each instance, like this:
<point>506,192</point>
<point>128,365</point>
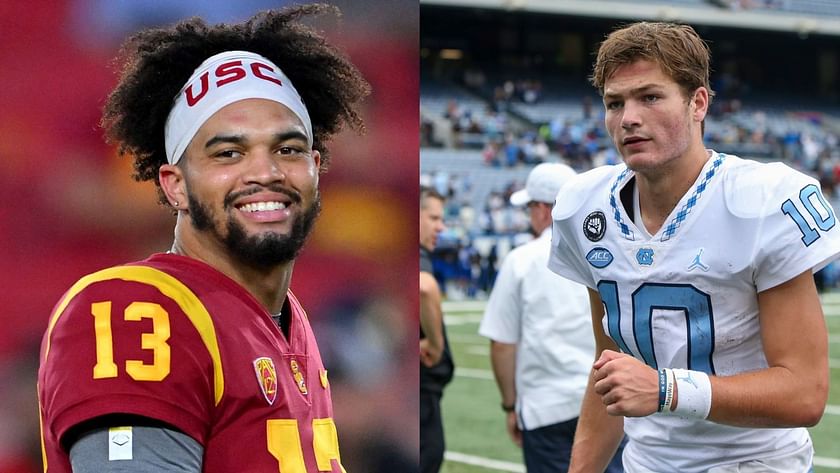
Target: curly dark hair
<point>157,62</point>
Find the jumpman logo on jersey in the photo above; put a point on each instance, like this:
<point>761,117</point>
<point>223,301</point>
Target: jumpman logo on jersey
<point>687,378</point>
<point>697,263</point>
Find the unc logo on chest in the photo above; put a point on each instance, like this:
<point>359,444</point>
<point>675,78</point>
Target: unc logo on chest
<point>644,256</point>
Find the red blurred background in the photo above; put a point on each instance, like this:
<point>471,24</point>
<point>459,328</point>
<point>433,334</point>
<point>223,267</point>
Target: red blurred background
<point>71,208</point>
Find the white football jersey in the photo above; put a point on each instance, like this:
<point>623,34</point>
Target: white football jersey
<point>686,297</point>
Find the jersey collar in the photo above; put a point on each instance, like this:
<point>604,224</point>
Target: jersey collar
<point>686,204</point>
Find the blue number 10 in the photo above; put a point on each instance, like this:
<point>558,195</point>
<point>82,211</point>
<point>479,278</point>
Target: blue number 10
<point>696,306</point>
<point>809,233</point>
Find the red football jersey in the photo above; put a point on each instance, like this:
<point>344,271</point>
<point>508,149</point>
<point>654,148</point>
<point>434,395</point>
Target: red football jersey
<point>175,340</point>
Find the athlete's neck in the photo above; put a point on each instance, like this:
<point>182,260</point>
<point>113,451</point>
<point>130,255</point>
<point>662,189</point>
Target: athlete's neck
<point>268,285</point>
<point>662,188</point>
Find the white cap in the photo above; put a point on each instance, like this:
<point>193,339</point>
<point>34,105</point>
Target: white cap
<point>543,183</point>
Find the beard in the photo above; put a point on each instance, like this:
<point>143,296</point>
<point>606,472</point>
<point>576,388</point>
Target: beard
<point>262,251</point>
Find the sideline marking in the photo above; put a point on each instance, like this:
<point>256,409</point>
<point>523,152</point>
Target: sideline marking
<point>497,465</point>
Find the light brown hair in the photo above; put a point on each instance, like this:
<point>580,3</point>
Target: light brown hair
<point>678,50</point>
<point>429,193</point>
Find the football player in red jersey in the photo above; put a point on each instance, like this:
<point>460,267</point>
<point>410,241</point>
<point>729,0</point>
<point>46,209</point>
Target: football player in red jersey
<point>201,359</point>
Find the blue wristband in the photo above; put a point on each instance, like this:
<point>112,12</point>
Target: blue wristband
<point>663,382</point>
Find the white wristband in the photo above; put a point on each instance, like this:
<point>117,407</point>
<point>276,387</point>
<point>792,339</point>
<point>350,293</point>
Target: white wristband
<point>694,394</point>
<point>669,390</point>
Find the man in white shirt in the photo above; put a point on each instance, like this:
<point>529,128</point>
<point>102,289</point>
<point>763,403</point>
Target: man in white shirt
<point>542,345</point>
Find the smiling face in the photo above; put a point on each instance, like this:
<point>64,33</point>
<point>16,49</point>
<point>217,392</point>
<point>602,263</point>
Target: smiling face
<point>251,180</point>
<point>648,116</point>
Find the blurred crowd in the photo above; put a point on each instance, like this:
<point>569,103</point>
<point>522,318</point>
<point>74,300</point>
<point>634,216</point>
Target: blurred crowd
<point>72,209</point>
<point>581,139</point>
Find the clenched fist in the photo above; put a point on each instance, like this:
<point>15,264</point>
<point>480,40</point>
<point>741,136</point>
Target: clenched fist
<point>627,386</point>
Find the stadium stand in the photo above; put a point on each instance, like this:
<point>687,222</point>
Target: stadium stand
<point>763,109</point>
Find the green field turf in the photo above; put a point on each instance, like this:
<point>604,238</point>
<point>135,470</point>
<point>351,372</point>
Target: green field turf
<point>476,440</point>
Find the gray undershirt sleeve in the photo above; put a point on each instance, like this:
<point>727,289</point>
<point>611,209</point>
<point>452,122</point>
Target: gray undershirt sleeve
<point>152,450</point>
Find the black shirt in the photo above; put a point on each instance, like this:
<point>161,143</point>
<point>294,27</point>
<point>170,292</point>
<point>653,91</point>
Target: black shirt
<point>435,378</point>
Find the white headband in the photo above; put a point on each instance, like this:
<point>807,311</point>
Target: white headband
<point>219,81</point>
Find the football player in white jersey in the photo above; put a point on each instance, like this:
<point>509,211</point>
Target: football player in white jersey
<point>711,344</point>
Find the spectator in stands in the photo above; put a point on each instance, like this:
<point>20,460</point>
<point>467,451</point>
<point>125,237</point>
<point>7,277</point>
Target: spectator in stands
<point>490,153</point>
<point>494,125</point>
<point>436,367</point>
<point>427,133</point>
<point>537,150</point>
<point>453,111</point>
<point>541,337</point>
<point>459,120</point>
<point>513,152</point>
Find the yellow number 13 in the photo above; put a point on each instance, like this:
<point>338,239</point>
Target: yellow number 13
<point>155,341</point>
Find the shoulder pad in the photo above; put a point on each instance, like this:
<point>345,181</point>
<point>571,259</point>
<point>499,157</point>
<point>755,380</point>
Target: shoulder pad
<point>581,188</point>
<point>753,189</point>
<point>123,285</point>
<point>167,285</point>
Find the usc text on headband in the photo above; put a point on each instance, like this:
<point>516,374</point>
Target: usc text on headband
<point>219,81</point>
